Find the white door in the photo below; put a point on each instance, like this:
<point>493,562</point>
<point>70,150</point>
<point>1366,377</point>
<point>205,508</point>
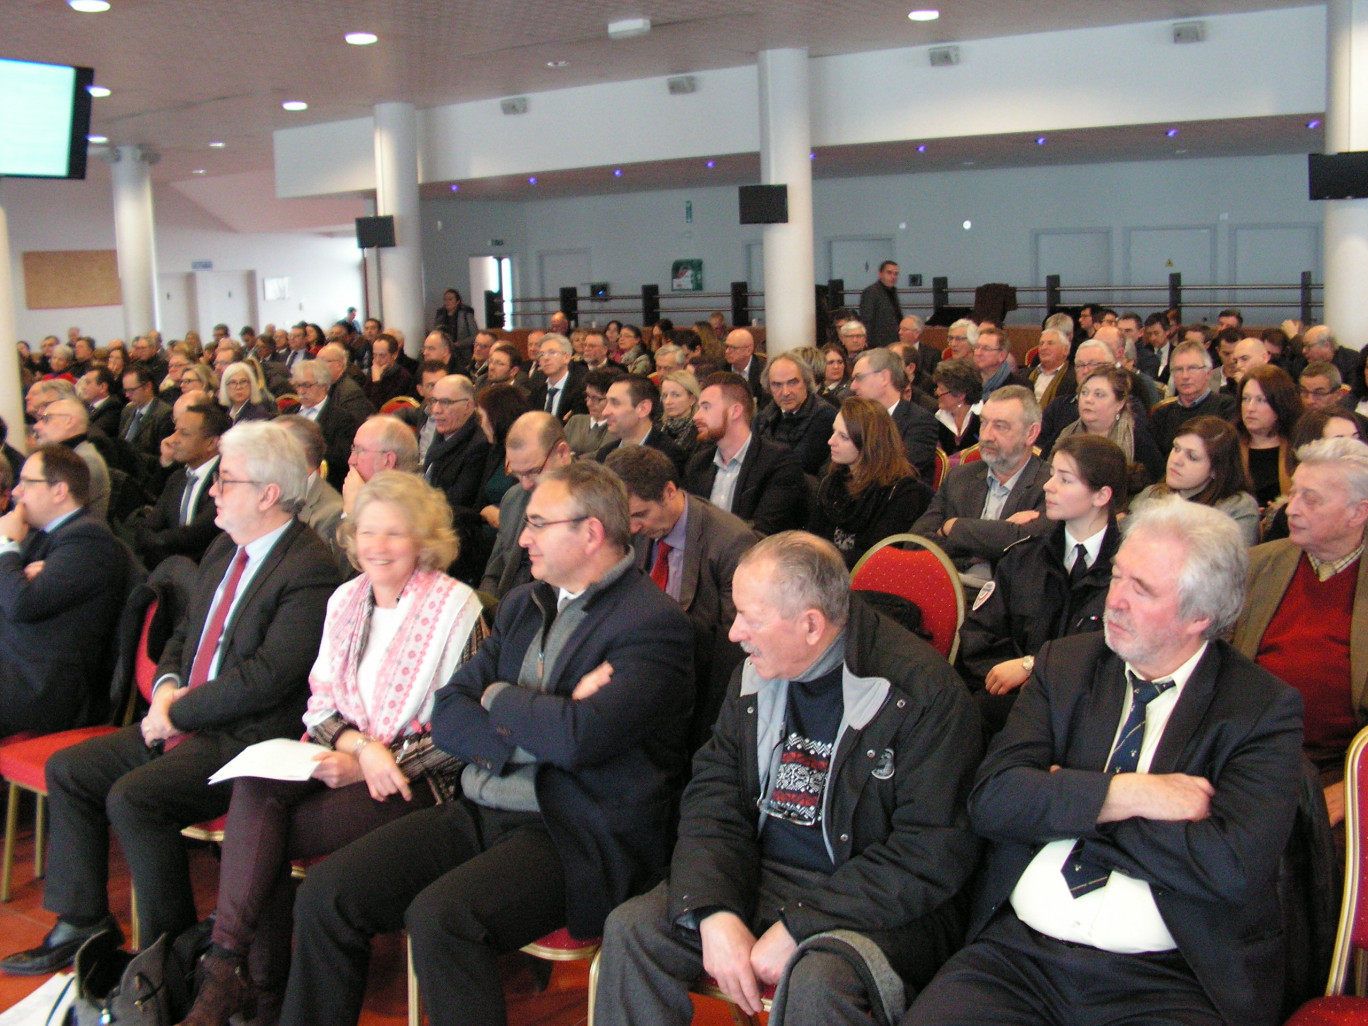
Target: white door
<point>225,297</point>
<point>176,304</point>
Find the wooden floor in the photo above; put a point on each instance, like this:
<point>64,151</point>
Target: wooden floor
<point>23,923</point>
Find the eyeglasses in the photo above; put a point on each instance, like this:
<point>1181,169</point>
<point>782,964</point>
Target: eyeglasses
<point>863,374</point>
<point>49,416</point>
<point>223,483</point>
<point>521,474</point>
<point>979,347</point>
<point>535,527</point>
<point>1088,368</point>
<point>957,338</point>
<point>444,403</point>
<point>1306,393</point>
<point>32,480</point>
<point>357,450</point>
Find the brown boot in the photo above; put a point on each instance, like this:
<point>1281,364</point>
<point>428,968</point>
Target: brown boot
<point>223,992</point>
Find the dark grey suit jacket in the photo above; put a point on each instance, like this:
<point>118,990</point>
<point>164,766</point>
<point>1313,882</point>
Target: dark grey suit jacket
<point>962,495</point>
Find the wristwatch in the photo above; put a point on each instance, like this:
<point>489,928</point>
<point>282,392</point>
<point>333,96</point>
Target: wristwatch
<point>359,744</point>
<point>1028,663</point>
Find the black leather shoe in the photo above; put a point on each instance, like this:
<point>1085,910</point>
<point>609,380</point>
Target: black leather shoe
<point>58,949</point>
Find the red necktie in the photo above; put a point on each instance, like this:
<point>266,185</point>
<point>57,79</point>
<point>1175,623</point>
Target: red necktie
<point>660,569</point>
<point>204,655</point>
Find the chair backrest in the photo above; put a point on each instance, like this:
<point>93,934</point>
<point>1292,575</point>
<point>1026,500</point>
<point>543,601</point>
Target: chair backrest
<point>1031,354</point>
<point>1351,942</point>
<point>285,401</point>
<point>942,468</point>
<point>400,402</point>
<point>923,575</point>
<point>970,455</point>
<point>144,667</point>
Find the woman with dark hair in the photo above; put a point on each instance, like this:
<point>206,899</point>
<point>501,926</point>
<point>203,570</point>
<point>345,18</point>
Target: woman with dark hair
<point>1053,585</point>
<point>631,351</point>
<point>835,387</point>
<point>317,340</point>
<point>610,334</point>
<point>1103,410</point>
<point>1312,425</point>
<point>1204,466</point>
<point>870,491</point>
<point>1269,407</point>
<point>454,317</point>
<point>958,388</point>
<point>497,407</point>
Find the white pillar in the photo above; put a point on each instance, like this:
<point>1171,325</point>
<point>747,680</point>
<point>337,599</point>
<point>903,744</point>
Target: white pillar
<point>396,195</point>
<point>1346,128</point>
<point>11,389</point>
<point>134,238</point>
<point>785,159</point>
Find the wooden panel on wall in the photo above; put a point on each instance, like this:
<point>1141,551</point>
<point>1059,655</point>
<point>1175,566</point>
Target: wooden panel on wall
<point>56,279</point>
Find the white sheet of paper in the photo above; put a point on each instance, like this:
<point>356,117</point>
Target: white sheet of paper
<point>276,759</point>
<point>35,1009</point>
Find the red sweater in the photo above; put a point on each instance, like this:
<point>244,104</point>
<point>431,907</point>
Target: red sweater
<point>1307,645</point>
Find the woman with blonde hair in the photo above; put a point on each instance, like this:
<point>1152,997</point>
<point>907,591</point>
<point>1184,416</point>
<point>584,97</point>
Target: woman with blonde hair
<point>679,402</point>
<point>870,491</point>
<point>240,394</point>
<point>392,637</point>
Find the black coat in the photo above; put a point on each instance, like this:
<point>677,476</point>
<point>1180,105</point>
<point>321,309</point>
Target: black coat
<point>855,525</point>
<point>770,494</point>
<point>456,464</point>
<point>158,532</point>
<point>806,431</point>
<point>655,439</point>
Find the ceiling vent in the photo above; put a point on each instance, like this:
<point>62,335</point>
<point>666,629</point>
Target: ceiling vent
<point>514,105</point>
<point>944,56</point>
<point>1189,31</point>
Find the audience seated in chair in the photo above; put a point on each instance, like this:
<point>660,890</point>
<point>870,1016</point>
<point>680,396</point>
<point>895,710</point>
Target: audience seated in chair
<point>181,522</point>
<point>1204,466</point>
<point>798,419</point>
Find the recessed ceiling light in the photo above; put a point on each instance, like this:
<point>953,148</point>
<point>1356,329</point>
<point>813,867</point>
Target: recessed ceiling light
<point>558,64</point>
<point>967,225</point>
<point>1171,133</point>
<point>923,15</point>
<point>198,171</point>
<point>217,145</point>
<point>1040,140</point>
<point>98,140</point>
<point>295,105</point>
<point>1313,123</point>
<point>812,155</point>
<point>89,6</point>
<point>97,91</point>
<point>455,187</point>
<point>532,180</point>
<point>921,148</point>
<point>361,38</point>
<point>617,172</point>
<point>710,164</point>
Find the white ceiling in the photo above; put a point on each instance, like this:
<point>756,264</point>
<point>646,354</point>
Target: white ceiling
<point>187,72</point>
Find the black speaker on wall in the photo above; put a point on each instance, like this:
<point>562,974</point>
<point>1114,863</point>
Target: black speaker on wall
<point>763,204</point>
<point>1337,175</point>
<point>375,232</point>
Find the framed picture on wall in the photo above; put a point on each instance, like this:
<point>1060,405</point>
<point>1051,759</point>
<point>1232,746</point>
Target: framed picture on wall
<point>686,276</point>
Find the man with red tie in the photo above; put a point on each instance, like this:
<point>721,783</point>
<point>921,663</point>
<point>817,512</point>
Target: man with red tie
<point>234,672</point>
<point>690,548</point>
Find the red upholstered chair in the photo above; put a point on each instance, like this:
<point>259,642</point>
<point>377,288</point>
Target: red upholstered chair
<point>23,765</point>
<point>707,987</point>
<point>557,946</point>
<point>970,455</point>
<point>942,468</point>
<point>400,402</point>
<point>1346,992</point>
<point>917,569</point>
<point>1031,354</point>
<point>284,402</point>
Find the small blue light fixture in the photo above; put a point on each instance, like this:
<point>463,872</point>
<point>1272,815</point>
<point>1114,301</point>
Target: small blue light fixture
<point>1172,133</point>
<point>921,148</point>
<point>1040,140</point>
<point>617,172</point>
<point>455,187</point>
<point>710,164</point>
<point>812,155</point>
<point>532,180</point>
<point>1313,124</point>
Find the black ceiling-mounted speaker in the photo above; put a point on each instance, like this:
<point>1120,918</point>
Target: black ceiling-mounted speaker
<point>763,204</point>
<point>1337,175</point>
<point>375,232</point>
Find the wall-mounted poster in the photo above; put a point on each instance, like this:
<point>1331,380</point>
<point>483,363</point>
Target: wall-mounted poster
<point>686,276</point>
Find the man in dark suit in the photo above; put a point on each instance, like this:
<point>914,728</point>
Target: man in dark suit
<point>571,719</point>
<point>691,549</point>
<point>797,418</point>
<point>63,578</point>
<point>736,470</point>
<point>879,307</point>
<point>881,375</point>
<point>234,672</point>
<point>926,358</point>
<point>456,460</point>
<point>311,380</point>
<point>182,524</point>
<point>345,389</point>
<point>1137,801</point>
<point>629,411</point>
<point>741,358</point>
<point>984,506</point>
<point>96,388</point>
<point>146,420</point>
<point>559,389</point>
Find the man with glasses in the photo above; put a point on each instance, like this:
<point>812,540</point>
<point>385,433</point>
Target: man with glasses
<point>992,360</point>
<point>830,797</point>
<point>1190,365</point>
<point>535,444</point>
<point>455,462</point>
<point>63,578</point>
<point>68,421</point>
<point>382,442</point>
<point>559,388</point>
<point>181,523</point>
<point>146,419</point>
<point>1321,387</point>
<point>1053,376</point>
<point>854,337</point>
<point>739,350</point>
<point>235,671</point>
<point>571,720</point>
<point>587,432</point>
<point>881,375</point>
<point>311,381</point>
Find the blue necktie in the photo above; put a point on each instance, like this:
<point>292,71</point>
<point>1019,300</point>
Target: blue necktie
<point>1083,873</point>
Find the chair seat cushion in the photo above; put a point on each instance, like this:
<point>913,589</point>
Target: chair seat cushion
<point>561,940</point>
<point>706,985</point>
<point>23,763</point>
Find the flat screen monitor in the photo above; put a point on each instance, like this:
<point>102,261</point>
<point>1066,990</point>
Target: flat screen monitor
<point>1337,175</point>
<point>44,119</point>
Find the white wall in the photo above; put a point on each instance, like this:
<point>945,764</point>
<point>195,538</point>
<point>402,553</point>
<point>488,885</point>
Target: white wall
<point>1248,220</point>
<point>324,272</point>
